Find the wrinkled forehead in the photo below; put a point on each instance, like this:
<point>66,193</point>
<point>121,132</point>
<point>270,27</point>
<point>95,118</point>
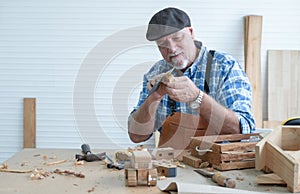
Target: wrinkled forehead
<point>171,36</point>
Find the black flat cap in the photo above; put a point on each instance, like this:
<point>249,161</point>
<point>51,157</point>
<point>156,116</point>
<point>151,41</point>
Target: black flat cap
<point>167,21</point>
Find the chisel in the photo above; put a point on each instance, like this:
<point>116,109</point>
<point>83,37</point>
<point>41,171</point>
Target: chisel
<point>158,82</point>
<point>218,178</point>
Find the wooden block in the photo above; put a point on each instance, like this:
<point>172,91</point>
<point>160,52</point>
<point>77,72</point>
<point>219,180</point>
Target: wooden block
<point>142,176</point>
<point>130,177</point>
<point>290,138</point>
<point>192,161</point>
<point>165,169</point>
<point>29,123</point>
<point>152,177</point>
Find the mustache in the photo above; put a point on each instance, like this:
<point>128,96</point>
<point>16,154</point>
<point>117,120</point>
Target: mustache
<point>174,54</point>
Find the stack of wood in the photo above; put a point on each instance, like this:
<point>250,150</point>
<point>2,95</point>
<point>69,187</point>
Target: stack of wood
<point>226,152</point>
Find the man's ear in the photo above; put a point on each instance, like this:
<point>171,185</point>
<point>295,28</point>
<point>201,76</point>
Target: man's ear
<point>191,31</point>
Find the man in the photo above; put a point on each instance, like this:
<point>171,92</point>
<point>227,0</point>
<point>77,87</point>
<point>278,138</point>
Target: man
<point>225,105</point>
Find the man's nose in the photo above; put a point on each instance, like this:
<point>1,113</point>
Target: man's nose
<point>172,47</point>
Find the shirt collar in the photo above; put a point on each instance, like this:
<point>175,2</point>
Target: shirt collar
<point>193,68</point>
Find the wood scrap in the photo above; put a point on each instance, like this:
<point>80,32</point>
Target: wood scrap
<point>24,163</point>
<point>15,171</point>
<point>91,190</point>
<point>3,166</point>
<point>56,162</point>
<point>78,163</point>
<point>39,174</point>
<point>192,161</point>
<point>240,178</point>
<point>269,179</point>
<point>204,165</point>
<point>68,173</point>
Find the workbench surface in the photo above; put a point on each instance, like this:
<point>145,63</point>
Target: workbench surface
<point>98,178</point>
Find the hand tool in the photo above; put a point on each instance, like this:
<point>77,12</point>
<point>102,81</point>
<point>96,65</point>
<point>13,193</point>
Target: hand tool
<point>113,164</point>
<point>88,155</point>
<point>158,82</point>
<point>218,178</point>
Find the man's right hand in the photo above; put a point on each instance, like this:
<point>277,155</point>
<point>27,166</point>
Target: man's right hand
<point>152,82</point>
<point>163,78</point>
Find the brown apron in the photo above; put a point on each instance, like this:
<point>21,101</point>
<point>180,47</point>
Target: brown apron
<point>178,129</point>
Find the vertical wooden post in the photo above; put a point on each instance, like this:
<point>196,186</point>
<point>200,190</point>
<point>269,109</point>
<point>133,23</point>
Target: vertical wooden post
<point>29,123</point>
<point>252,52</point>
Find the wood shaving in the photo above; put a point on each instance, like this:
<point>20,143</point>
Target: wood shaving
<point>162,178</point>
<point>91,190</point>
<point>15,171</point>
<point>67,173</point>
<point>178,164</point>
<point>52,157</point>
<point>39,174</point>
<point>240,178</point>
<point>204,165</point>
<point>3,166</point>
<point>24,163</point>
<point>78,163</point>
<point>56,162</point>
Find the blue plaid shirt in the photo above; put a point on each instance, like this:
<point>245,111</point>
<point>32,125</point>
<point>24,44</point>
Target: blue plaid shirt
<point>228,85</point>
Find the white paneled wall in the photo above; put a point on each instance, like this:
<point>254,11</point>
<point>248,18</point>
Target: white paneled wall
<point>83,61</point>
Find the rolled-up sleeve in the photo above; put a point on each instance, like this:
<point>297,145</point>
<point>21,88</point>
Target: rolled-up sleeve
<point>235,92</point>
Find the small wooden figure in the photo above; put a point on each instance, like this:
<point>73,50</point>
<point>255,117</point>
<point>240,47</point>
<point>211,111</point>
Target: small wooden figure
<point>140,170</point>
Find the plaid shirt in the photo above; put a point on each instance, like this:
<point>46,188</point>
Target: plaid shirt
<point>228,85</point>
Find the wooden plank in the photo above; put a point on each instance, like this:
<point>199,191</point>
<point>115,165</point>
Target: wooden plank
<point>237,156</point>
<point>260,149</point>
<point>29,116</point>
<point>235,165</point>
<point>245,146</point>
<point>283,165</point>
<point>269,179</point>
<point>216,158</point>
<point>283,84</point>
<point>220,138</point>
<point>252,53</point>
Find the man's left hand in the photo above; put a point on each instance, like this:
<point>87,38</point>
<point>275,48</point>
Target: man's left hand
<point>182,89</point>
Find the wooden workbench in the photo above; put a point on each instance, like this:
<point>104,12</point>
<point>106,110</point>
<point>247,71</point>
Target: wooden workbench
<point>98,179</point>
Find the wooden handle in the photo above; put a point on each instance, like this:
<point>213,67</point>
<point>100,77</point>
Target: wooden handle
<point>223,180</point>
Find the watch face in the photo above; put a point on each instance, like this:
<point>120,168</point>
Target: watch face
<point>194,105</point>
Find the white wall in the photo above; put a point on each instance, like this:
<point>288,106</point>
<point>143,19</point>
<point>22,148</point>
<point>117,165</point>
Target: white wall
<point>83,61</point>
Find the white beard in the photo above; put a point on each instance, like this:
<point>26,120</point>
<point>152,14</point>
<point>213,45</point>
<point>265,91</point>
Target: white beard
<point>178,65</point>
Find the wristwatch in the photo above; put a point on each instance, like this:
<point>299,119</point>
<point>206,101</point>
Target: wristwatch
<point>196,103</point>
